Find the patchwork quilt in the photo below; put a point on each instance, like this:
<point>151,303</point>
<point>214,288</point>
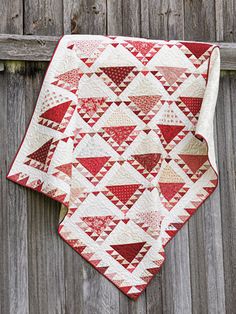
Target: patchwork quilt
<point>122,136</point>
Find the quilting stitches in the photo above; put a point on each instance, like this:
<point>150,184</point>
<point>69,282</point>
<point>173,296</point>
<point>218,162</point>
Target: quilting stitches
<point>119,151</point>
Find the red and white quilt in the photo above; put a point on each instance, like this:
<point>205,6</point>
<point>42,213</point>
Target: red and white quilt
<point>122,136</point>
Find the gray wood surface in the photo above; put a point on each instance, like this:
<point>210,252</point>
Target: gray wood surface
<point>14,244</point>
<point>39,272</point>
<point>40,48</point>
<point>205,228</point>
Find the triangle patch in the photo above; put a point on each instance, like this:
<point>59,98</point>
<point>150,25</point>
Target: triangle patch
<point>69,80</point>
<point>171,74</point>
<point>91,109</point>
<point>66,168</point>
<point>169,132</point>
<point>142,47</point>
<point>117,74</point>
<point>123,192</point>
<point>148,161</point>
<point>93,164</point>
<point>194,162</point>
<point>41,158</point>
<point>169,189</point>
<point>145,103</point>
<point>41,153</point>
<point>117,78</point>
<point>119,133</point>
<point>192,103</point>
<point>197,49</point>
<point>56,113</point>
<point>129,251</point>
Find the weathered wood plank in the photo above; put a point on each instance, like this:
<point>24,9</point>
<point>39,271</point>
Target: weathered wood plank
<point>131,18</point>
<point>229,25</point>
<point>12,17</point>
<point>15,209</point>
<point>176,284</point>
<point>14,250</point>
<point>4,226</point>
<point>229,228</point>
<point>219,20</point>
<point>199,22</point>
<point>114,17</point>
<point>43,17</point>
<point>228,56</point>
<point>46,250</point>
<point>45,254</point>
<point>28,48</point>
<point>40,48</point>
<point>166,19</point>
<point>226,117</point>
<point>144,19</point>
<point>206,261</point>
<point>172,287</point>
<point>85,17</point>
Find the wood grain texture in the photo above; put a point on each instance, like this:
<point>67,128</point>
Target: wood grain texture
<point>4,269</point>
<point>40,48</point>
<point>43,17</point>
<point>85,16</point>
<point>11,15</point>
<point>226,130</point>
<point>14,249</point>
<point>166,19</point>
<point>165,290</point>
<point>226,115</point>
<point>15,210</point>
<point>39,272</point>
<point>228,16</point>
<point>207,272</point>
<point>199,20</point>
<point>46,250</point>
<point>27,48</point>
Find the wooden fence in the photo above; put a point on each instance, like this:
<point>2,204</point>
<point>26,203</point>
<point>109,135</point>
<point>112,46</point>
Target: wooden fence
<point>39,273</point>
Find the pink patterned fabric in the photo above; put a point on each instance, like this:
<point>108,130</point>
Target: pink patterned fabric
<point>122,136</point>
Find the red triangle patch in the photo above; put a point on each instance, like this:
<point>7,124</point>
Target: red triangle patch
<point>56,113</point>
<point>93,164</point>
<point>145,103</point>
<point>71,77</point>
<point>194,162</point>
<point>148,161</point>
<point>117,74</point>
<point>119,133</point>
<point>142,47</point>
<point>169,189</point>
<point>169,132</point>
<point>123,192</point>
<point>66,168</point>
<point>128,251</point>
<point>193,104</point>
<point>197,49</point>
<point>41,154</point>
<point>97,223</point>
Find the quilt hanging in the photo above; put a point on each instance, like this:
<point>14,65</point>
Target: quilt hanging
<point>122,136</point>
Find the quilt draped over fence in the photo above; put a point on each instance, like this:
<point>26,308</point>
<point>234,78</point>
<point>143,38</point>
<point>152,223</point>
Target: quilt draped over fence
<point>122,137</point>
